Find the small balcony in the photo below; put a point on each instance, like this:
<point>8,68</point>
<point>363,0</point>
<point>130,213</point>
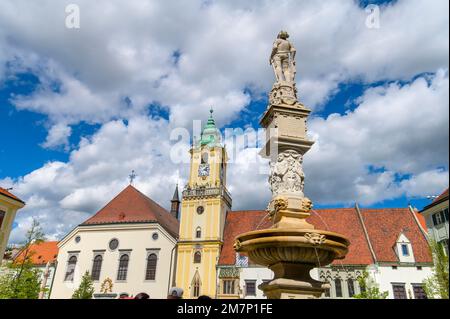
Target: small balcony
<point>202,192</point>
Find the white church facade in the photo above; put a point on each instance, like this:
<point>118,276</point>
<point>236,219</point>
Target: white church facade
<point>131,241</point>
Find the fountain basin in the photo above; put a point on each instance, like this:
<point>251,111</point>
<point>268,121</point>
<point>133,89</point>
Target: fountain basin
<point>291,254</point>
<point>308,246</point>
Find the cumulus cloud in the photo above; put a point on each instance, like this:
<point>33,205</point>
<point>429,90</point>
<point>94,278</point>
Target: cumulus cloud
<point>58,135</point>
<point>61,195</point>
<point>396,130</point>
<point>188,56</point>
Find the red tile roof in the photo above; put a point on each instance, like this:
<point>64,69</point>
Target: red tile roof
<point>421,220</point>
<point>6,193</point>
<point>41,253</point>
<point>238,222</point>
<point>131,206</point>
<point>383,227</point>
<point>345,221</point>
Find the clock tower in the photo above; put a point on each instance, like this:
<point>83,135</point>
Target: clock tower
<point>205,202</point>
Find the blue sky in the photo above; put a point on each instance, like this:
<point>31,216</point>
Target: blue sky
<point>26,154</point>
<point>80,108</point>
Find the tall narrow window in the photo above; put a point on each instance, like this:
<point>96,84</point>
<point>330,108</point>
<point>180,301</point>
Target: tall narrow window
<point>405,250</point>
<point>228,286</point>
<point>327,293</point>
<point>123,267</point>
<point>152,260</point>
<point>71,264</point>
<point>204,158</point>
<point>338,285</point>
<point>196,284</point>
<point>351,287</point>
<point>2,217</point>
<point>97,267</point>
<point>198,232</point>
<point>197,257</point>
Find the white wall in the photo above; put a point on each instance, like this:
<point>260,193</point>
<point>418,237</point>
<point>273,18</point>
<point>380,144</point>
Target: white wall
<point>385,276</point>
<point>254,273</point>
<point>134,237</point>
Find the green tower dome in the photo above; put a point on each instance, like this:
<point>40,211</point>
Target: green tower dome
<point>210,134</point>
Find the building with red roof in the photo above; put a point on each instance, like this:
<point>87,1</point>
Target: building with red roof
<point>130,241</point>
<point>389,243</point>
<point>43,256</point>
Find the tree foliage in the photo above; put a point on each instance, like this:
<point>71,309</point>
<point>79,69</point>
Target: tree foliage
<point>436,286</point>
<point>86,288</point>
<point>19,279</point>
<point>369,289</point>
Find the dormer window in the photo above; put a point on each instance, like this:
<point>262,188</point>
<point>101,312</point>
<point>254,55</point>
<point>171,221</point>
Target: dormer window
<point>404,249</point>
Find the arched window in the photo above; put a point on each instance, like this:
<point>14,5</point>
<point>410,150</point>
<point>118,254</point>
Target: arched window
<point>152,260</point>
<point>71,264</point>
<point>197,257</point>
<point>96,267</point>
<point>204,158</point>
<point>123,267</point>
<point>196,284</point>
<point>338,286</point>
<point>198,232</point>
<point>351,287</point>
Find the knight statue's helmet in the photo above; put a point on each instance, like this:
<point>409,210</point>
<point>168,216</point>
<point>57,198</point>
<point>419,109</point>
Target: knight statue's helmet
<point>283,35</point>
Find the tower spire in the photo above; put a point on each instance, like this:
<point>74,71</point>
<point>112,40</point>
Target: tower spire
<point>175,206</point>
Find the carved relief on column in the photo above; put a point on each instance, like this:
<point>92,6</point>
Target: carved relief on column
<point>286,174</point>
<point>283,94</point>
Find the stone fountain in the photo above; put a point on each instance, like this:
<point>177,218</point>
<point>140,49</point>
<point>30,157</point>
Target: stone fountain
<point>292,247</point>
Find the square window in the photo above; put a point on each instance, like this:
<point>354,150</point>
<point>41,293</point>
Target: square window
<point>399,291</point>
<point>419,292</point>
<point>250,287</point>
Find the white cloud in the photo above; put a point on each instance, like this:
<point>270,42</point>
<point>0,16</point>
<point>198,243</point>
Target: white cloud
<point>58,135</point>
<point>400,129</point>
<point>127,51</point>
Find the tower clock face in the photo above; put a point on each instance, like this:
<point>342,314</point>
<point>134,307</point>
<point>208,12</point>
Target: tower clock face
<point>203,170</point>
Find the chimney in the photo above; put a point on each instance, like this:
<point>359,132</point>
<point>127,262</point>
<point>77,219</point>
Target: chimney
<point>175,207</point>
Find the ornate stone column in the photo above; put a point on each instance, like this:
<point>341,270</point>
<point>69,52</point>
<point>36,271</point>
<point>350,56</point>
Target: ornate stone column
<point>292,246</point>
<point>286,144</point>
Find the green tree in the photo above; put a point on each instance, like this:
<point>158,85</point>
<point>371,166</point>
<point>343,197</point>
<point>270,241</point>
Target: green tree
<point>436,286</point>
<point>20,280</point>
<point>369,289</point>
<point>86,288</point>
